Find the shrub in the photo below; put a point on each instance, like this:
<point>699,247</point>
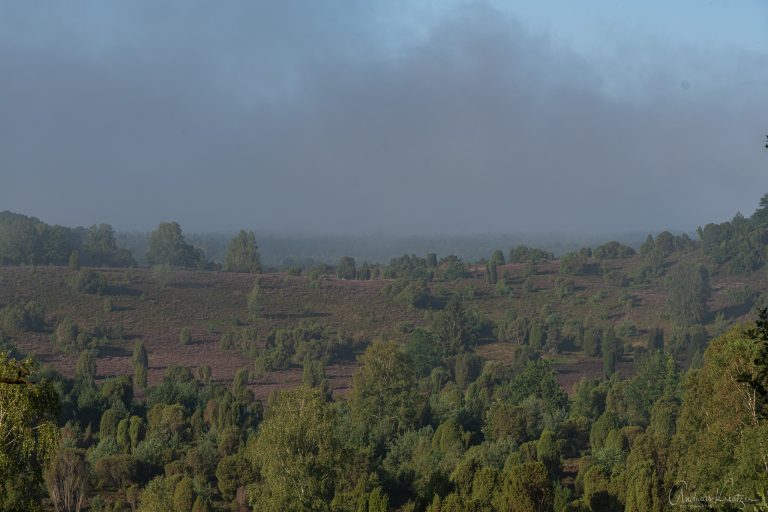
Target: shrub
<point>88,281</point>
<point>66,334</point>
<point>254,301</point>
<point>627,329</point>
<point>74,260</point>
<point>529,286</point>
<point>413,293</point>
<point>185,337</point>
<point>227,341</point>
<point>12,318</point>
<point>564,287</point>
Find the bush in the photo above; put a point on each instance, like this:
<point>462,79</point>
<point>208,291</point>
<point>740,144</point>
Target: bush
<point>564,287</point>
<point>467,368</point>
<point>185,337</point>
<point>66,334</point>
<point>627,329</point>
<point>413,293</point>
<point>12,318</point>
<point>88,281</point>
<point>227,341</point>
<point>254,301</point>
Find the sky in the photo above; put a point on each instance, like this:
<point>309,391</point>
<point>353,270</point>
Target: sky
<point>404,117</point>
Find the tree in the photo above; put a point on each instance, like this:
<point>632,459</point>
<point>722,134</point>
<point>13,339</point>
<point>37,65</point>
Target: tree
<point>140,362</point>
<point>688,291</point>
<point>665,242</point>
<point>157,496</point>
<point>648,246</point>
<point>383,396</point>
<point>613,250</point>
<point>711,446</point>
<point>655,339</point>
<point>100,248</point>
<point>296,453</point>
<point>346,268</point>
<point>28,433</point>
<point>454,328</point>
<point>85,370</point>
<point>243,254</point>
<point>184,495</point>
<point>491,273</point>
<point>185,336</point>
<point>67,481</point>
<point>525,488</point>
<point>74,261</point>
<point>498,257</point>
<point>254,302</point>
<point>611,348</point>
<point>364,274</point>
<point>167,246</point>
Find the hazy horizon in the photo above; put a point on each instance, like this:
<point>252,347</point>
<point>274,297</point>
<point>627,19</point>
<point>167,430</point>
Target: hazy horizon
<point>407,118</point>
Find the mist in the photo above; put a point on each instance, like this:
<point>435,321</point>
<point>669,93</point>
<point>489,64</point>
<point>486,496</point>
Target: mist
<point>347,118</point>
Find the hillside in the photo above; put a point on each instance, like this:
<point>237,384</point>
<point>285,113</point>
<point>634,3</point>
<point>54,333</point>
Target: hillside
<point>155,305</point>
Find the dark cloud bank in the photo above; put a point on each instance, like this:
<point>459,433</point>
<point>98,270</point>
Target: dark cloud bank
<point>310,119</point>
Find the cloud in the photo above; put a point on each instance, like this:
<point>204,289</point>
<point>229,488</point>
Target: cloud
<point>258,118</point>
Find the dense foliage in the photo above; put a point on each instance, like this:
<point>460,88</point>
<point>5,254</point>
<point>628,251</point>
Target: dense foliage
<point>29,241</point>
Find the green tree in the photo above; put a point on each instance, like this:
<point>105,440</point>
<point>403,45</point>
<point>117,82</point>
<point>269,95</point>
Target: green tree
<point>254,299</point>
<point>313,375</point>
<point>85,370</point>
<point>296,453</point>
<point>74,261</point>
<point>67,480</point>
<point>648,246</point>
<point>454,328</point>
<point>611,348</point>
<point>346,268</point>
<point>101,250</point>
<point>524,488</point>
<point>384,396</point>
<point>688,290</point>
<point>184,495</point>
<point>711,446</point>
<point>157,496</point>
<point>243,254</point>
<point>655,339</point>
<point>423,352</point>
<point>548,453</point>
<point>140,362</point>
<point>492,274</point>
<point>28,432</point>
<point>185,336</point>
<point>656,376</point>
<point>645,487</point>
<point>167,246</point>
<point>498,257</point>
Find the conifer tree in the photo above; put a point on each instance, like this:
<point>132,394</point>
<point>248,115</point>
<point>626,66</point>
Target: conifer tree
<point>243,254</point>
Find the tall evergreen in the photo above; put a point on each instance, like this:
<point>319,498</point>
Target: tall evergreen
<point>140,360</point>
<point>243,254</point>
